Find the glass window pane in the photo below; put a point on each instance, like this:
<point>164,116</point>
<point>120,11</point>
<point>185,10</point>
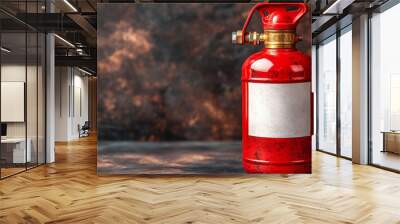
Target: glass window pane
<point>385,89</point>
<point>22,90</point>
<point>327,96</point>
<point>346,94</point>
<point>314,90</point>
<point>31,89</point>
<point>31,97</point>
<point>41,98</point>
<point>13,86</point>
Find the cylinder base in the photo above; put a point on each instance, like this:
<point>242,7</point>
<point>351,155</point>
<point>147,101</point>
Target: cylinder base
<point>268,167</point>
<point>277,155</point>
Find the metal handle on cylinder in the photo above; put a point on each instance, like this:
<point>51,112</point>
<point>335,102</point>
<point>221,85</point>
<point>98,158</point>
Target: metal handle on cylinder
<point>279,31</point>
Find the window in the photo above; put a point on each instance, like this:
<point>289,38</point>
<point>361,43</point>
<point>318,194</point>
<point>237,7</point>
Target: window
<point>22,77</point>
<point>346,92</point>
<point>385,89</point>
<point>314,90</point>
<point>326,91</point>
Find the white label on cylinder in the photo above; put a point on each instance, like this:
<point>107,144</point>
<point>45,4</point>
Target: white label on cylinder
<point>279,110</point>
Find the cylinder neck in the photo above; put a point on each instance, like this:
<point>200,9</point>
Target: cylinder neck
<point>274,39</point>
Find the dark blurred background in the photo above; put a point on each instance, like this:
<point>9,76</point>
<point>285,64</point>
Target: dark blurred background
<point>169,87</point>
<point>168,72</point>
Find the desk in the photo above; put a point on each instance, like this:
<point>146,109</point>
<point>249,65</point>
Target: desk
<point>391,141</point>
<point>19,155</point>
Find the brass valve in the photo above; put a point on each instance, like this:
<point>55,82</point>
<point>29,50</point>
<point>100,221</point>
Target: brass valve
<point>237,37</point>
<point>271,38</point>
<point>249,38</point>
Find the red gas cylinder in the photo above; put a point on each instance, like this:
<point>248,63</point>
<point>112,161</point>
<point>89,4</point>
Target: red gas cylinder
<point>276,94</point>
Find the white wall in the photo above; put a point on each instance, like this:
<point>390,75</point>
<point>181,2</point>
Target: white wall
<point>80,112</point>
<point>16,73</point>
<point>71,102</point>
<point>33,126</point>
<point>62,81</point>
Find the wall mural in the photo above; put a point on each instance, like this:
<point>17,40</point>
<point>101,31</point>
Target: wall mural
<point>169,93</point>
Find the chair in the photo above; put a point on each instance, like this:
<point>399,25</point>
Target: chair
<point>84,130</point>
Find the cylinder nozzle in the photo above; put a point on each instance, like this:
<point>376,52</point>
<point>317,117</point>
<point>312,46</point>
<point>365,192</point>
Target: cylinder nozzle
<point>237,37</point>
<point>249,38</point>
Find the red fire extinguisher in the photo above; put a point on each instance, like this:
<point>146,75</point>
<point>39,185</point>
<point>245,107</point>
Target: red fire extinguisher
<point>277,100</point>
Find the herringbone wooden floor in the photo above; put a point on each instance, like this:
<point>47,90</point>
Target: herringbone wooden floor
<point>69,191</point>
